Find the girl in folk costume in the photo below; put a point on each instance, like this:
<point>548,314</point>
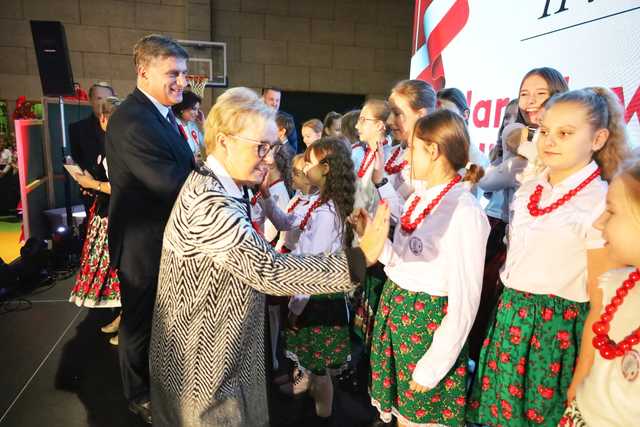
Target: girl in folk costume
<point>318,334</point>
<point>97,284</point>
<point>189,118</point>
<point>609,394</point>
<point>555,255</point>
<point>434,265</point>
<point>279,181</point>
<point>371,127</point>
<point>409,101</point>
<point>372,130</point>
<point>279,187</point>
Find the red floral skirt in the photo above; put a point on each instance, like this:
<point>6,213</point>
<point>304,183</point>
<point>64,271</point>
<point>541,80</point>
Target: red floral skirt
<point>97,284</point>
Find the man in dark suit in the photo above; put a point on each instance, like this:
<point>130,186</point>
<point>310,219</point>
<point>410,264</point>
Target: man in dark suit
<point>271,96</point>
<point>149,161</point>
<point>86,136</point>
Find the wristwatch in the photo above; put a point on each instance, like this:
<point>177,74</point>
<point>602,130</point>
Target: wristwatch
<point>382,183</point>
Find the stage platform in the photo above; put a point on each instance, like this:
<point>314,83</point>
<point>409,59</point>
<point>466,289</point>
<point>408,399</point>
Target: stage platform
<point>58,369</point>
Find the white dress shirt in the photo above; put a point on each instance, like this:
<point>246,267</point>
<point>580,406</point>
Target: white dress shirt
<point>444,256</point>
<point>163,109</point>
<point>223,176</point>
<point>548,254</point>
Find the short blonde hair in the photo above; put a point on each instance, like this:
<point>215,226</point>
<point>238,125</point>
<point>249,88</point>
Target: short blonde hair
<point>232,112</point>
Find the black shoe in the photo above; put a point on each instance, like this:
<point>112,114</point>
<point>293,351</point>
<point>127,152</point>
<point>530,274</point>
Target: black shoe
<point>143,409</point>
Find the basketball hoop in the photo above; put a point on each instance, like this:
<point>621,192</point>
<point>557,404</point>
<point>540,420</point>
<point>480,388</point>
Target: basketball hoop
<point>197,83</point>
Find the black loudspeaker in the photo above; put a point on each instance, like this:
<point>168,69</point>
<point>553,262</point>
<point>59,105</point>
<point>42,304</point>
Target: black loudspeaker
<point>52,53</point>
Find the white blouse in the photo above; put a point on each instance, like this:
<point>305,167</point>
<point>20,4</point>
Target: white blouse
<point>194,136</point>
<point>605,397</point>
<point>322,234</point>
<point>366,195</point>
<point>280,196</point>
<point>548,254</point>
<point>287,223</point>
<point>444,256</point>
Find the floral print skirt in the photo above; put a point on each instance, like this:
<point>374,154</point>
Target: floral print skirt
<point>572,417</point>
<point>527,360</point>
<point>402,334</point>
<point>97,284</point>
<point>319,339</point>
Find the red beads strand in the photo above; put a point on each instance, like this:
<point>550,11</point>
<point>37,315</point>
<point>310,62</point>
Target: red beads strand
<point>390,168</point>
<point>606,346</point>
<point>313,207</point>
<point>534,199</point>
<point>294,205</point>
<point>405,220</point>
<point>366,162</point>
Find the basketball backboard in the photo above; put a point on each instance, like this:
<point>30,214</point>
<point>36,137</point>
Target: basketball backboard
<point>209,59</point>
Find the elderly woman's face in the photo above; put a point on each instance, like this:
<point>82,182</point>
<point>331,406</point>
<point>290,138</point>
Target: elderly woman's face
<point>245,163</point>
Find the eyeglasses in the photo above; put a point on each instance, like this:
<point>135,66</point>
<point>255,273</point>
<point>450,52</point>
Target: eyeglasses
<point>264,147</point>
<point>363,119</point>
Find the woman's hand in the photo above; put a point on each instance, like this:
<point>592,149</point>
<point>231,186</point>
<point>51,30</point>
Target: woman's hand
<point>375,234</point>
<point>85,180</point>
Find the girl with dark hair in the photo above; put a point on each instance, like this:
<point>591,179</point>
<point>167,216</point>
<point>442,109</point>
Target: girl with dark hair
<point>318,333</point>
<point>348,128</point>
<point>454,100</point>
<point>532,357</point>
<point>538,85</point>
<point>434,266</point>
<point>190,118</point>
<point>332,123</point>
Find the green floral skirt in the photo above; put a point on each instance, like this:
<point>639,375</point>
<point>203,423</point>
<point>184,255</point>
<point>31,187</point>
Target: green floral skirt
<point>402,334</point>
<point>527,361</point>
<point>319,339</point>
<point>366,308</point>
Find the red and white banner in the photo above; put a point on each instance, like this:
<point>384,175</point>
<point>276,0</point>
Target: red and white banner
<point>485,47</point>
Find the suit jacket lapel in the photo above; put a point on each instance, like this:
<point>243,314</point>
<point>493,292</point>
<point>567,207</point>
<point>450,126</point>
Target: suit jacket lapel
<point>176,141</point>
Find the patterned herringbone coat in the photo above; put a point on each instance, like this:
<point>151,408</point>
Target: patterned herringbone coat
<point>207,362</point>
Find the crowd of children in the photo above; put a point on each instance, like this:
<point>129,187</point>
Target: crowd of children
<point>521,313</point>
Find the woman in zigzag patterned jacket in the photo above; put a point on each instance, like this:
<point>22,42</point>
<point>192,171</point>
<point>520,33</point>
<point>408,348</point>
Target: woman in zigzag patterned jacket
<point>206,356</point>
